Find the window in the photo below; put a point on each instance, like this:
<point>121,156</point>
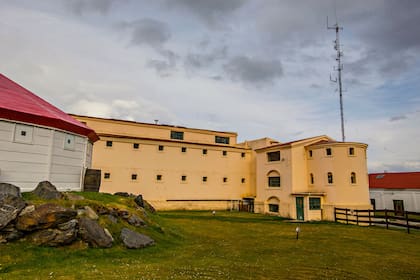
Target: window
<point>183,178</point>
<point>273,156</point>
<point>204,178</point>
<point>160,148</point>
<point>159,177</point>
<point>351,151</point>
<point>23,133</point>
<point>373,203</point>
<point>311,178</point>
<point>273,208</point>
<point>107,175</point>
<point>243,180</point>
<point>224,153</point>
<point>225,179</point>
<point>69,142</point>
<point>314,203</point>
<point>310,153</point>
<point>221,140</point>
<point>399,207</point>
<point>133,177</point>
<point>109,143</point>
<point>274,181</point>
<point>136,146</point>
<point>179,135</point>
<point>204,151</point>
<point>184,149</point>
<point>353,178</point>
<point>243,155</point>
<point>330,177</point>
<point>328,151</point>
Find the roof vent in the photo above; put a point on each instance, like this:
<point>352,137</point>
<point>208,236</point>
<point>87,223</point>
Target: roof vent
<point>380,176</point>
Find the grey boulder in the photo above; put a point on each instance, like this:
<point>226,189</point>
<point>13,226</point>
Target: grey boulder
<point>135,240</point>
<point>92,233</point>
<point>46,190</point>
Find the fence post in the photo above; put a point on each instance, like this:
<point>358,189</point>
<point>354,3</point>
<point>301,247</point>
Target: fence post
<point>386,218</point>
<point>335,214</point>
<point>347,217</point>
<point>406,219</point>
<point>357,216</point>
<point>370,221</point>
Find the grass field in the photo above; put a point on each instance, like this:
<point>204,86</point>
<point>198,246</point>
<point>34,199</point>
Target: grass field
<point>230,245</point>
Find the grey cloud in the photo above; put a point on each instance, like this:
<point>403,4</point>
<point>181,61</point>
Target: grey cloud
<point>254,71</point>
<point>212,12</point>
<point>147,31</point>
<point>405,166</point>
<point>394,26</point>
<point>398,118</point>
<point>83,6</point>
<point>196,60</point>
<point>165,67</point>
<point>153,33</point>
<point>392,41</point>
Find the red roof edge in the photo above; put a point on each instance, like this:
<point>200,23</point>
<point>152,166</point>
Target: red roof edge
<point>50,122</point>
<point>394,180</point>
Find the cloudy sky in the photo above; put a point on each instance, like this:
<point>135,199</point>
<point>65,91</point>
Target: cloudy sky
<point>258,68</point>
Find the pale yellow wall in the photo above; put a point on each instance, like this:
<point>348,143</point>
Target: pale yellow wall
<point>122,160</point>
<point>341,164</point>
<point>295,168</point>
<point>153,131</point>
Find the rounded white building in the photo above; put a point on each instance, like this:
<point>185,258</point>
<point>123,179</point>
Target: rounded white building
<point>40,142</point>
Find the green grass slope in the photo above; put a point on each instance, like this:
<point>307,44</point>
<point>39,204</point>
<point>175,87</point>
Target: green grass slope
<point>229,245</point>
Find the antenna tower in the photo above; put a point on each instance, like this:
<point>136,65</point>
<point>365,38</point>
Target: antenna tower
<point>339,68</point>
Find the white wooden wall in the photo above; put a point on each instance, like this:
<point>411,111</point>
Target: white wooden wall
<point>384,198</point>
<point>41,154</point>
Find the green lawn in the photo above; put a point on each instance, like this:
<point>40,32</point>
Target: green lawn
<point>196,245</point>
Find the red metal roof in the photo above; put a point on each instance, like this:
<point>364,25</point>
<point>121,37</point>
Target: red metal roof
<point>19,104</point>
<point>401,180</point>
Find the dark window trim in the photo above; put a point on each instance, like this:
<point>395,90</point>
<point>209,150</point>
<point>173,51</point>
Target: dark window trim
<point>330,178</point>
<point>274,181</point>
<point>273,208</point>
<point>328,152</point>
<point>273,156</point>
<point>177,135</point>
<point>314,203</point>
<point>221,140</point>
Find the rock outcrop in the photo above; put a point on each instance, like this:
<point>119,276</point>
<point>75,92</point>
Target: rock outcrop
<point>92,233</point>
<point>45,216</point>
<point>135,240</point>
<point>46,190</point>
<point>51,224</point>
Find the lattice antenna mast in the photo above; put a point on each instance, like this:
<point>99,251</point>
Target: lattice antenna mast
<point>339,68</point>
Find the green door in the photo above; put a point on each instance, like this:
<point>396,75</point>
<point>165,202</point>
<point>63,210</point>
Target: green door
<point>299,208</point>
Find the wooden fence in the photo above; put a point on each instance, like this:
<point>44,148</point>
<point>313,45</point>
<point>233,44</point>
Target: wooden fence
<point>406,219</point>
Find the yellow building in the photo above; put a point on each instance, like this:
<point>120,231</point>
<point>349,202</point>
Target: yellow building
<point>172,167</point>
<point>183,168</point>
<point>306,179</point>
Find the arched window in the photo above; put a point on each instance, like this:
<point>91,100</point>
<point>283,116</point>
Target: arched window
<point>311,178</point>
<point>330,178</point>
<point>273,204</point>
<point>273,179</point>
<point>353,178</point>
